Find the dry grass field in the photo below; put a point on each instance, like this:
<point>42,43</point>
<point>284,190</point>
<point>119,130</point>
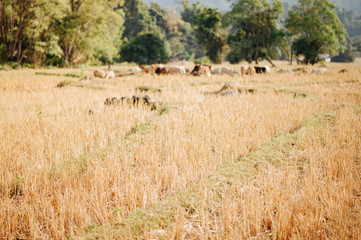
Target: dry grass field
<point>278,160</point>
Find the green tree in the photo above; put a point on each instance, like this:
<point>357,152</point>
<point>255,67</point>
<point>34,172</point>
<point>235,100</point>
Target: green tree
<point>159,16</point>
<point>189,12</point>
<point>26,29</point>
<point>316,29</point>
<point>137,19</point>
<point>346,56</point>
<point>90,30</point>
<point>146,48</point>
<point>255,34</point>
<point>207,24</point>
<point>193,50</point>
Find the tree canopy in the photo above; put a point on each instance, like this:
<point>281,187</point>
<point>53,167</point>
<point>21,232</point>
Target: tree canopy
<point>255,33</point>
<point>207,25</point>
<point>316,29</point>
<point>67,32</point>
<point>146,48</point>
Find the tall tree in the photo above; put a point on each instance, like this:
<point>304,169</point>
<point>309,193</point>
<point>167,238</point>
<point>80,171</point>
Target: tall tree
<point>207,24</point>
<point>192,48</point>
<point>189,11</point>
<point>146,48</point>
<point>255,34</point>
<point>26,28</point>
<point>137,19</point>
<point>14,16</point>
<point>91,29</point>
<point>316,29</point>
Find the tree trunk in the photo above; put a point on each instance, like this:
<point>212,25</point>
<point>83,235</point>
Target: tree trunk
<point>256,55</point>
<point>270,61</point>
<point>12,30</point>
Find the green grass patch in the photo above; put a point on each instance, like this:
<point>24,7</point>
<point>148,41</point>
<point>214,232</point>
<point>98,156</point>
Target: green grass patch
<point>161,215</point>
<point>72,75</point>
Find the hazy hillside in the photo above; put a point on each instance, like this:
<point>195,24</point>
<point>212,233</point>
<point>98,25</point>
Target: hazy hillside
<point>224,5</point>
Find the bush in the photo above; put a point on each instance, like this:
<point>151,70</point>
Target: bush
<point>146,48</point>
<point>203,60</point>
<point>347,56</point>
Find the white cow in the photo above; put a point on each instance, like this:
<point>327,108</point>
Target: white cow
<point>223,70</point>
<point>104,74</point>
<point>319,70</point>
<point>181,69</point>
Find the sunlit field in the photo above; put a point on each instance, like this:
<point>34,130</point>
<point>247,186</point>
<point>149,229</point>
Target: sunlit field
<point>69,163</point>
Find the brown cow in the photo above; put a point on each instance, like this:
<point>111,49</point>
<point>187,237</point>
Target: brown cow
<point>100,73</point>
<point>202,69</point>
<point>248,70</point>
<point>104,74</point>
<point>145,69</point>
<point>162,71</point>
<point>151,68</point>
<point>170,70</point>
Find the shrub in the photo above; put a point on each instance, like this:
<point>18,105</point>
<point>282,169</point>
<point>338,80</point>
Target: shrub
<point>146,48</point>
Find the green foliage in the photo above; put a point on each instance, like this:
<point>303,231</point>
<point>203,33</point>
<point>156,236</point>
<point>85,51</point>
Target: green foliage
<point>27,29</point>
<point>316,29</point>
<point>90,30</point>
<point>255,33</point>
<point>192,49</point>
<point>189,12</point>
<point>55,32</point>
<point>347,56</point>
<point>146,48</point>
<point>137,19</point>
<point>207,25</point>
<point>70,32</point>
<point>203,60</point>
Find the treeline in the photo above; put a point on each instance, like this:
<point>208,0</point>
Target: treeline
<point>67,32</point>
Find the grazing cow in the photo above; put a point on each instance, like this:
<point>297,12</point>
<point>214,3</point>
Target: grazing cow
<point>110,74</point>
<point>161,71</point>
<point>145,69</point>
<point>244,69</point>
<point>251,70</point>
<point>264,69</point>
<point>100,73</point>
<point>223,70</point>
<point>137,69</point>
<point>170,70</point>
<point>181,69</point>
<point>202,69</point>
<point>228,71</point>
<point>248,70</point>
<point>104,74</point>
<point>217,71</point>
<point>319,70</point>
<point>154,67</point>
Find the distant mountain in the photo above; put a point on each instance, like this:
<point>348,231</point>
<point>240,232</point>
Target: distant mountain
<point>224,5</point>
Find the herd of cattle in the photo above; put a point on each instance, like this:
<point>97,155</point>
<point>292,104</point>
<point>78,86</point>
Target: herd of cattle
<point>198,70</point>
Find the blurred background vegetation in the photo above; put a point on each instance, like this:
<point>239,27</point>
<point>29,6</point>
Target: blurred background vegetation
<point>72,32</point>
